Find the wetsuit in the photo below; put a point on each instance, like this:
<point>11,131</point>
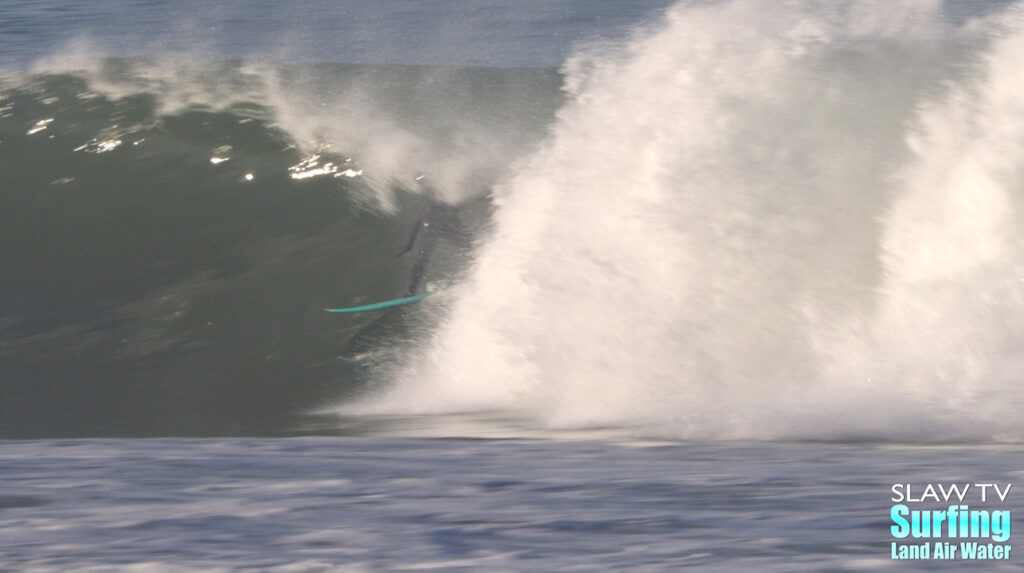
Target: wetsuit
<point>439,221</point>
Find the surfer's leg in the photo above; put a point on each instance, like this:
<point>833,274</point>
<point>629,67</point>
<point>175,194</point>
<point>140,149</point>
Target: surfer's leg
<point>427,244</point>
<point>417,274</point>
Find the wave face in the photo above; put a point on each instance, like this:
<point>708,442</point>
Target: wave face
<point>170,230</point>
<point>795,221</point>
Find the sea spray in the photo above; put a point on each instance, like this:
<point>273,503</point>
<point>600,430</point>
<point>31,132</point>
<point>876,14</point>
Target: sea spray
<point>943,347</point>
<point>713,241</point>
<point>395,125</point>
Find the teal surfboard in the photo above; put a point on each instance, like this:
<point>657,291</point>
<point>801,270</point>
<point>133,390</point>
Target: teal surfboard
<point>385,304</point>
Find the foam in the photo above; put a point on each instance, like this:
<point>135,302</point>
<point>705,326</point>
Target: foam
<point>758,222</point>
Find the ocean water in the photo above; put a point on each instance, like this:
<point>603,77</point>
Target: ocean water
<point>414,504</point>
<point>734,270</point>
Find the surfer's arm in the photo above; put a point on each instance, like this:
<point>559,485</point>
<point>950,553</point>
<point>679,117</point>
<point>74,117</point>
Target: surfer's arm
<point>412,238</point>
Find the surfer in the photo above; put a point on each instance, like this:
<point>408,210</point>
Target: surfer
<point>440,220</point>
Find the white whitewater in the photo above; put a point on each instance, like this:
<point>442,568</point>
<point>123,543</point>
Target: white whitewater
<point>798,221</point>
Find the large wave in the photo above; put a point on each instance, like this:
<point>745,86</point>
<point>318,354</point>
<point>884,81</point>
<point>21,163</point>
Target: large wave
<point>797,220</point>
<point>171,229</point>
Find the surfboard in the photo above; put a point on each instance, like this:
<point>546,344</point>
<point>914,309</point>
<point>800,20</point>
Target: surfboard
<point>384,304</point>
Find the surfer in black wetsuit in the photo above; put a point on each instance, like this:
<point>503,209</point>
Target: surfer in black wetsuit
<point>440,221</point>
